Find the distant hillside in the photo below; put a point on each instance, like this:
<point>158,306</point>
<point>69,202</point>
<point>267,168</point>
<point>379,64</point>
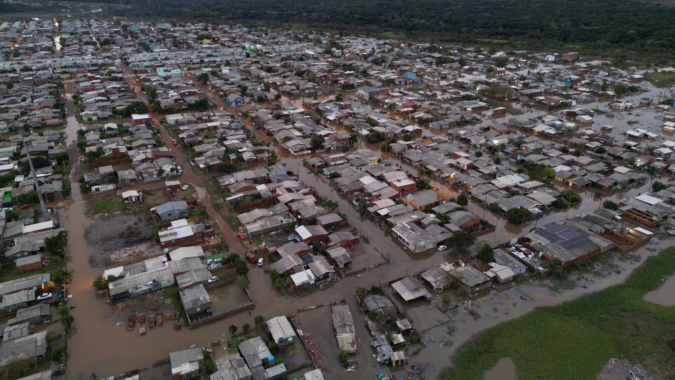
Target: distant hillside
<point>597,23</point>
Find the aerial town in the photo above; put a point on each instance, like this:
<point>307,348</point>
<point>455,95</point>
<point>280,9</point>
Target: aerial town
<point>199,201</point>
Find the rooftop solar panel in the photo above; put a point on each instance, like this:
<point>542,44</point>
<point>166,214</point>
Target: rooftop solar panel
<point>554,227</point>
<point>548,235</point>
<point>577,241</point>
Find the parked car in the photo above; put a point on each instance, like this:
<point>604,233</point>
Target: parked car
<point>251,257</point>
<point>241,236</point>
<point>25,207</point>
<point>213,279</point>
<point>185,187</point>
<point>44,296</point>
<point>442,248</point>
<point>261,261</point>
<point>192,207</point>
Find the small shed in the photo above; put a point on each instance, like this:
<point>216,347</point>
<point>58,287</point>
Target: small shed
<point>281,330</point>
<point>27,263</point>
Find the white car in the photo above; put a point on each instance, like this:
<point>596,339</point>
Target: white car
<point>213,279</point>
<point>185,187</point>
<point>442,248</point>
<point>44,296</point>
<point>260,262</point>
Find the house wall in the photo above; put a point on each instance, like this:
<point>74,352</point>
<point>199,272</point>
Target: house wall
<point>25,268</point>
<point>405,190</point>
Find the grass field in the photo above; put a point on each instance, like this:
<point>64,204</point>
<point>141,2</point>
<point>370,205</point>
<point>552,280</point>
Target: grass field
<point>575,339</point>
<point>104,205</point>
<point>661,80</point>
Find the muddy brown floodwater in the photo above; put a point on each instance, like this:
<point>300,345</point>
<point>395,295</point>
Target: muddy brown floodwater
<point>505,369</point>
<point>664,295</point>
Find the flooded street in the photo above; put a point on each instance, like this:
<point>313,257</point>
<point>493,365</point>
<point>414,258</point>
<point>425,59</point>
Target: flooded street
<point>97,338</point>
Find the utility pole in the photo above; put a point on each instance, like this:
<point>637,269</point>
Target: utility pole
<point>37,184</point>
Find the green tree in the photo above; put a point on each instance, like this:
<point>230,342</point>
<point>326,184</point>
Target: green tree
<point>245,327</point>
<point>233,329</point>
<point>658,186</point>
<point>317,142</point>
<point>94,154</point>
<point>11,215</point>
<point>203,78</point>
<point>462,200</point>
<point>501,61</point>
<point>500,91</point>
<point>497,161</point>
<point>515,215</point>
<point>407,137</point>
<point>199,212</point>
<point>610,205</point>
<point>486,253</point>
<point>99,283</point>
<point>10,85</point>
<point>59,353</point>
<point>63,311</point>
<point>479,153</point>
<point>258,320</point>
<point>67,321</point>
<point>421,184</point>
<point>576,153</point>
<point>621,89</point>
<point>460,241</point>
<point>600,150</point>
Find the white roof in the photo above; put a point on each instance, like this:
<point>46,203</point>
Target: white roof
<point>304,277</point>
<point>303,232</point>
<point>186,252</point>
<point>140,116</point>
<point>38,227</point>
<point>648,199</point>
<point>643,231</point>
<point>130,193</point>
<point>113,272</point>
<point>622,169</point>
<point>176,233</point>
<point>314,375</point>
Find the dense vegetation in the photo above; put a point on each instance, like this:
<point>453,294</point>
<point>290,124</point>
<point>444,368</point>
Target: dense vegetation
<point>595,24</point>
<point>575,339</point>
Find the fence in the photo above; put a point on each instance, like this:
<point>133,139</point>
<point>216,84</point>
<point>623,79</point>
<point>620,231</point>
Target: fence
<point>268,202</point>
<point>98,164</point>
<point>223,281</point>
<point>223,314</point>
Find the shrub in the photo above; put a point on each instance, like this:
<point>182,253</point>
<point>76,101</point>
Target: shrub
<point>658,186</point>
<point>515,215</point>
<point>610,205</point>
<point>462,200</point>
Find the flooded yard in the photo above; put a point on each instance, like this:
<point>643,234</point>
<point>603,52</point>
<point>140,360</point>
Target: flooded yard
<point>121,238</point>
<point>227,297</point>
